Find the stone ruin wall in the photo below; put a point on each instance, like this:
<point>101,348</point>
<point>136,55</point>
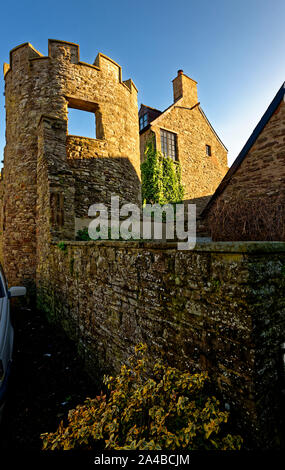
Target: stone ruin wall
<point>42,162</point>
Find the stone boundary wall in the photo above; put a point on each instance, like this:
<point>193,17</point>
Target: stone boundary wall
<point>219,308</point>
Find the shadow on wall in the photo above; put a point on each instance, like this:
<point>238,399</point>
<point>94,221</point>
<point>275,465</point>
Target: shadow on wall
<point>200,202</point>
<point>98,178</point>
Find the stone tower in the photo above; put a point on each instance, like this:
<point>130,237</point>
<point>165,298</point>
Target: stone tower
<point>50,178</point>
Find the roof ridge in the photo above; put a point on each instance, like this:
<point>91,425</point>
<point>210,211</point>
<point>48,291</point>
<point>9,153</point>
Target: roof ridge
<point>155,109</point>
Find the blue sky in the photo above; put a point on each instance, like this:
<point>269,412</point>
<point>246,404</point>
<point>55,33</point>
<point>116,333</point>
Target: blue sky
<point>233,48</point>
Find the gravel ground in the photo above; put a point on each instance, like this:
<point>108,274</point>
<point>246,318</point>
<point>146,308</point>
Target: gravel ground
<point>47,380</point>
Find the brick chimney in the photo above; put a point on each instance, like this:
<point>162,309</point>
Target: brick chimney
<point>185,87</point>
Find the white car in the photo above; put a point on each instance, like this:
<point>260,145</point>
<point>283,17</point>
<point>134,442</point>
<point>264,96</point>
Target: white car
<point>6,334</point>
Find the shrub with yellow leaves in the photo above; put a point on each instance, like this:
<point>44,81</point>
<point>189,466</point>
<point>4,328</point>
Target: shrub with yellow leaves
<point>166,409</point>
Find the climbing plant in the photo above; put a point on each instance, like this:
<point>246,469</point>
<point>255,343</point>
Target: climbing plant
<point>173,191</point>
<point>161,178</point>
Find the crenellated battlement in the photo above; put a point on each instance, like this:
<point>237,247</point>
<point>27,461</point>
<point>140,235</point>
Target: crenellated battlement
<point>26,55</point>
<point>21,55</point>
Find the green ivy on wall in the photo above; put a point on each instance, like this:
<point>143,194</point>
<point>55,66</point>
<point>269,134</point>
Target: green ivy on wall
<point>161,178</point>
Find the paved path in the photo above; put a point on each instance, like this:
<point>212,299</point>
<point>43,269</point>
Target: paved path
<point>46,381</point>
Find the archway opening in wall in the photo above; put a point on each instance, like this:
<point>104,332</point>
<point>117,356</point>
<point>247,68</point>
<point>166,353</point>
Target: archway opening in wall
<point>84,119</point>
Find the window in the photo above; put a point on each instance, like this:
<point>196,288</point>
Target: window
<point>168,144</point>
<point>143,121</point>
<point>208,150</point>
<point>81,123</point>
<point>84,118</point>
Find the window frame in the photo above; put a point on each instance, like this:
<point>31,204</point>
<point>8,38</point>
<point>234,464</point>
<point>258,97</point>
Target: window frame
<point>208,150</point>
<point>168,142</point>
<point>143,121</point>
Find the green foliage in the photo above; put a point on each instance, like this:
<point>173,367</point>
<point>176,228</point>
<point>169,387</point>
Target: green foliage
<point>82,235</point>
<point>173,191</point>
<point>62,246</point>
<point>165,409</point>
<point>216,284</point>
<point>161,178</point>
<point>152,176</point>
<point>71,266</point>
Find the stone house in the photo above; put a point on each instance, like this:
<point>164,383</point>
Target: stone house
<point>249,203</point>
<point>183,132</point>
